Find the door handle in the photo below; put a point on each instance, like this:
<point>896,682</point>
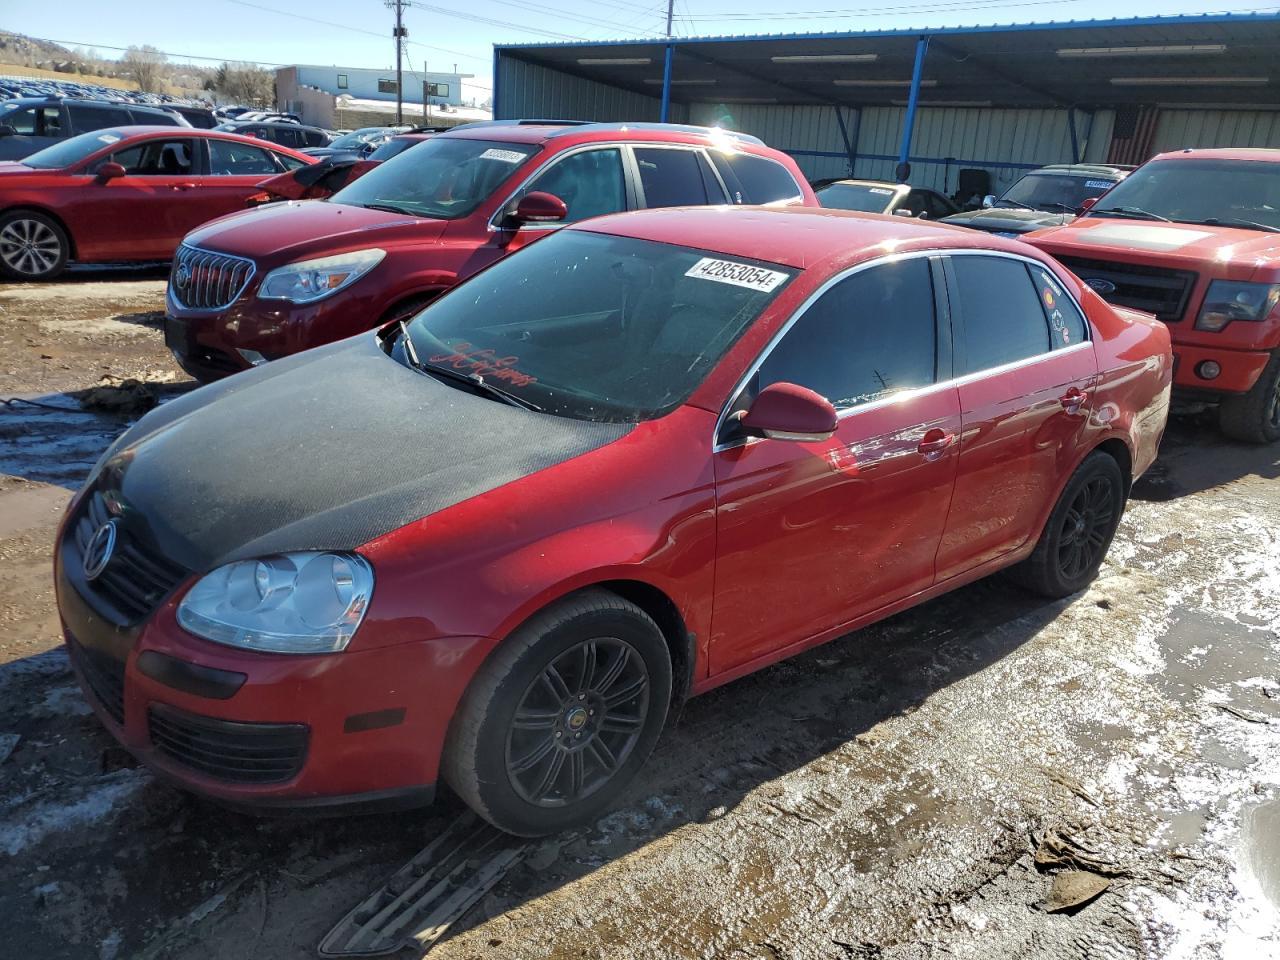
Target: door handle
<point>934,443</point>
<point>1073,400</point>
<point>184,186</point>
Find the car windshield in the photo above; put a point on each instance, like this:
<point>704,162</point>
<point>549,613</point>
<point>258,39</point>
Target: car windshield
<point>393,148</point>
<point>358,138</point>
<point>1234,193</point>
<point>866,197</point>
<point>71,151</point>
<point>597,327</point>
<point>1060,193</point>
<point>448,178</point>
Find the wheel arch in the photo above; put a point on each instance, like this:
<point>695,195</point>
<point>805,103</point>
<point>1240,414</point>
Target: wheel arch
<point>46,212</point>
<point>1119,451</point>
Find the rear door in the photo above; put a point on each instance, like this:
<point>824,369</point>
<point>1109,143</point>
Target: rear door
<point>1027,375</point>
<point>231,172</point>
<point>812,535</point>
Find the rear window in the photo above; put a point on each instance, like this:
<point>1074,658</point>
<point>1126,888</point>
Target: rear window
<point>85,118</point>
<point>753,179</point>
<point>863,197</point>
<point>159,118</point>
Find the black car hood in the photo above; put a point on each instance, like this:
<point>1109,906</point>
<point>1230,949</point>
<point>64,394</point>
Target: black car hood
<point>1009,219</point>
<point>327,449</point>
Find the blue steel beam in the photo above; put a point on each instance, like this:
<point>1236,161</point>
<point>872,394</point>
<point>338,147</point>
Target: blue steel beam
<point>666,83</point>
<point>913,98</point>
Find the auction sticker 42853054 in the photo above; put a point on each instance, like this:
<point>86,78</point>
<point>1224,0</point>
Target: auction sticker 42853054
<point>738,274</point>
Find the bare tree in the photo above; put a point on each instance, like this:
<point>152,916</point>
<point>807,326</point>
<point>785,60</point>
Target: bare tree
<point>145,66</point>
<point>244,83</point>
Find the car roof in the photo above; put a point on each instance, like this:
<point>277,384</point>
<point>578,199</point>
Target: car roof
<point>800,237</point>
<point>543,131</point>
<point>1083,169</point>
<point>1223,153</point>
<point>91,102</point>
<point>283,124</point>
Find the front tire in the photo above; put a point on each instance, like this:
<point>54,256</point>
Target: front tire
<point>1079,531</point>
<point>32,246</point>
<point>560,718</point>
<point>1254,417</point>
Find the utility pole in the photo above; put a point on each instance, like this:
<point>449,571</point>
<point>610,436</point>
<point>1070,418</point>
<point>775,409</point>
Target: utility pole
<point>671,4</point>
<point>399,33</point>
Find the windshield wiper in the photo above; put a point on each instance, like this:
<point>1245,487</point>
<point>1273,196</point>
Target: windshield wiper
<point>1234,221</point>
<point>1132,212</point>
<point>473,380</point>
<point>1015,203</point>
<point>388,208</point>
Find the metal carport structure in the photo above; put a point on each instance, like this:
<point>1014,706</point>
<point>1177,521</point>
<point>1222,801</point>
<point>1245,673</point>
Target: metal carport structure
<point>1004,98</point>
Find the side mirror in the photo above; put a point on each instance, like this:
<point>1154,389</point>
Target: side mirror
<point>538,207</point>
<point>988,201</point>
<point>903,212</point>
<point>923,215</point>
<point>1086,204</point>
<point>110,171</point>
<point>8,130</point>
<point>788,411</point>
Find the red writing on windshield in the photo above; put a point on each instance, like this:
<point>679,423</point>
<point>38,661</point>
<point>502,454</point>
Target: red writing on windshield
<point>486,363</point>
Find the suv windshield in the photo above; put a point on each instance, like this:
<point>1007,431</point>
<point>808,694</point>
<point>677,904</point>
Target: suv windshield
<point>446,178</point>
<point>394,147</point>
<point>1054,191</point>
<point>596,327</point>
<point>73,150</point>
<point>358,138</point>
<point>856,196</point>
<point>1229,193</point>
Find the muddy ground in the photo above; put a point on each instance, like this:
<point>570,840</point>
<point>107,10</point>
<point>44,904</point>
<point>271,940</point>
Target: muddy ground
<point>923,788</point>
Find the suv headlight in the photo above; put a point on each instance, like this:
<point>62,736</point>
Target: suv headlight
<point>310,280</point>
<point>1229,300</point>
<point>288,603</point>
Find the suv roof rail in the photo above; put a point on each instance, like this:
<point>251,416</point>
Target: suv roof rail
<point>681,128</point>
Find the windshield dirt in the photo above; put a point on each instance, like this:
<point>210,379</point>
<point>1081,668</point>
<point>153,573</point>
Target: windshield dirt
<point>856,196</point>
<point>447,178</point>
<point>1229,193</point>
<point>596,327</point>
<point>1054,192</point>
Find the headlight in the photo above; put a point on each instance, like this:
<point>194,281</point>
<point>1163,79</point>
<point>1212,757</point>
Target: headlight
<point>309,280</point>
<point>288,603</point>
<point>1229,300</point>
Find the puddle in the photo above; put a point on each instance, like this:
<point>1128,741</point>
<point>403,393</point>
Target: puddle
<point>1260,847</point>
<point>1211,653</point>
<point>55,446</point>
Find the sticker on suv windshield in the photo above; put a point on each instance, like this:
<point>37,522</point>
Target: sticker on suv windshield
<point>506,156</point>
<point>883,191</point>
<point>738,274</point>
<point>1098,184</point>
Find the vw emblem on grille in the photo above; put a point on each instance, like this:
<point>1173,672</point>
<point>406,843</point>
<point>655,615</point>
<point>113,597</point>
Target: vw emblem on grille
<point>1101,286</point>
<point>97,552</point>
<point>183,276</point>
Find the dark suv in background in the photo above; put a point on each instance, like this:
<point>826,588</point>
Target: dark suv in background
<point>284,277</point>
<point>284,132</point>
<point>28,124</point>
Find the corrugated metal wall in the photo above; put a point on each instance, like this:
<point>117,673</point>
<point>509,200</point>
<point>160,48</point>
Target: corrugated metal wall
<point>1217,128</point>
<point>529,90</point>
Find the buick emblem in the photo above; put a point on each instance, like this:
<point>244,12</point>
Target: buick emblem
<point>183,276</point>
<point>1101,286</point>
<point>97,553</point>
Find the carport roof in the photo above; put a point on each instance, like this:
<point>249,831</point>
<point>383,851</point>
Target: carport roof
<point>1209,59</point>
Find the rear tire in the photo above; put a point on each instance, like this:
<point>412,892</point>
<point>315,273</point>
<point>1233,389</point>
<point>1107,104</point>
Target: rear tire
<point>32,246</point>
<point>1254,417</point>
<point>1079,531</point>
<point>561,716</point>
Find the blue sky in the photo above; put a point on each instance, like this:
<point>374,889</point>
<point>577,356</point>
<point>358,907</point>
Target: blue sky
<point>357,33</point>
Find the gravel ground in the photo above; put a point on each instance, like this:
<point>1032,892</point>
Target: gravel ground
<point>945,783</point>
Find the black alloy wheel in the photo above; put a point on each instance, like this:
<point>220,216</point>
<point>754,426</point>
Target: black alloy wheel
<point>1087,527</point>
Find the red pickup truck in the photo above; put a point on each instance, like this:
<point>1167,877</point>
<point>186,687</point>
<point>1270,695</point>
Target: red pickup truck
<point>1194,238</point>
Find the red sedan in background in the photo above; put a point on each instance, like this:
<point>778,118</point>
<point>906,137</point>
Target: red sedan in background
<point>125,194</point>
<point>330,175</point>
<point>640,458</point>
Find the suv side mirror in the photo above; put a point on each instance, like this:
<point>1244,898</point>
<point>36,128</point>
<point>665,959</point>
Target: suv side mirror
<point>788,411</point>
<point>988,201</point>
<point>8,130</point>
<point>1086,204</point>
<point>538,207</point>
<point>110,171</point>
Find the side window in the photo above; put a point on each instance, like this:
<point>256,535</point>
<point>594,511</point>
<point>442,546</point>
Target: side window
<point>715,192</point>
<point>754,179</point>
<point>51,122</point>
<point>670,178</point>
<point>23,121</point>
<point>871,335</point>
<point>589,182</point>
<point>1066,325</point>
<point>289,163</point>
<point>230,159</point>
<point>936,206</point>
<point>1003,321</point>
<point>85,118</point>
<point>915,202</point>
<point>156,158</point>
<point>156,118</point>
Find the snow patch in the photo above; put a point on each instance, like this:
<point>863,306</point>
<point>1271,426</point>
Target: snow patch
<point>97,804</point>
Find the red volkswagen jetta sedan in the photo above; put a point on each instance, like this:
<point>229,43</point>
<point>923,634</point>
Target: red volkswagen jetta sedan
<point>643,457</point>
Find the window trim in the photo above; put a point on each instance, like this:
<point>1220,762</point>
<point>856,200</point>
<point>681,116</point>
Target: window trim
<point>942,255</point>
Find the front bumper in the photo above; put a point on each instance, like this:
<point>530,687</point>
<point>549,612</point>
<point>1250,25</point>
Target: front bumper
<point>1240,369</point>
<point>360,729</point>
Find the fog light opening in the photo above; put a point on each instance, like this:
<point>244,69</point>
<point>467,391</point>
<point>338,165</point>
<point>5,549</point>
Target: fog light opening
<point>1208,369</point>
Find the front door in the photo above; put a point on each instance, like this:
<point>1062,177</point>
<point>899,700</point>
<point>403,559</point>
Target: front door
<point>812,535</point>
<point>1029,372</point>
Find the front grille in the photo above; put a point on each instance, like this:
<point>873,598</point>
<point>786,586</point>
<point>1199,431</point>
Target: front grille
<point>201,280</point>
<point>228,750</point>
<point>1157,290</point>
<point>137,579</point>
<point>105,677</point>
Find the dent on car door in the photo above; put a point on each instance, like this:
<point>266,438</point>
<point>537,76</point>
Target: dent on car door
<point>1028,372</point>
<point>812,535</point>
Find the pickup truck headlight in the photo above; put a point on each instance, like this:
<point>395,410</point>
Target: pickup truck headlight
<point>288,603</point>
<point>1229,300</point>
<point>310,280</point>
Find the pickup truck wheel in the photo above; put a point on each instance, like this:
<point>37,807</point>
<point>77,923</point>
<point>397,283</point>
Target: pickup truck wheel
<point>1254,417</point>
<point>32,246</point>
<point>561,716</point>
<point>1079,531</point>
